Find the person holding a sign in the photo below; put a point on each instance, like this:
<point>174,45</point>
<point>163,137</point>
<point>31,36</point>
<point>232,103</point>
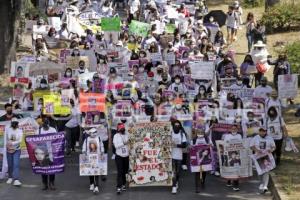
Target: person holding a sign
<point>263,143</point>
<point>93,145</point>
<point>13,139</point>
<point>48,180</point>
<point>233,135</point>
<point>179,141</point>
<point>177,86</point>
<point>120,142</point>
<point>277,130</point>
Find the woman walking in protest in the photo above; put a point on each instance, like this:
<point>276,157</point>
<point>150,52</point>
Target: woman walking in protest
<point>13,139</point>
<point>200,177</point>
<point>250,26</point>
<point>93,145</point>
<point>277,130</point>
<point>262,144</point>
<point>179,142</point>
<point>120,142</point>
<point>47,179</point>
<point>233,135</point>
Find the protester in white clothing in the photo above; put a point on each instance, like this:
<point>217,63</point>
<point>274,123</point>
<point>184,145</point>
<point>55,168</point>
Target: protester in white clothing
<point>13,138</point>
<point>263,90</point>
<point>260,144</point>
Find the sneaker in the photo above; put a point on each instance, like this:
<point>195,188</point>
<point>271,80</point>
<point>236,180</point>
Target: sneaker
<point>113,157</point>
<point>217,174</point>
<point>77,144</point>
<point>9,181</point>
<point>174,190</point>
<point>184,167</point>
<point>96,190</point>
<point>229,184</point>
<point>236,189</point>
<point>123,188</point>
<point>92,187</point>
<point>17,183</point>
<point>119,190</point>
<point>261,187</point>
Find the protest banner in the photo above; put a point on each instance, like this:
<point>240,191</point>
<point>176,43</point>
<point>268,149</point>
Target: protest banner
<point>92,164</point>
<point>3,165</point>
<point>263,163</point>
<point>53,105</point>
<point>133,64</point>
<point>88,15</point>
<point>123,108</point>
<point>91,102</point>
<point>139,28</point>
<point>150,160</point>
<point>170,58</point>
<point>156,57</point>
<point>99,85</point>
<point>170,28</point>
<point>234,159</point>
<point>235,91</point>
<point>46,152</point>
<point>202,70</point>
<point>200,158</point>
<point>287,86</point>
<point>246,93</point>
<point>73,61</point>
<point>83,78</point>
<point>38,98</point>
<point>218,130</point>
<point>111,24</point>
<point>228,82</point>
<point>19,72</point>
<point>63,55</point>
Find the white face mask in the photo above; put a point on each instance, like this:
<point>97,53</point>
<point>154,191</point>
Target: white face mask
<point>201,91</point>
<point>177,81</point>
<point>239,82</point>
<point>69,74</point>
<point>51,85</point>
<point>178,106</point>
<point>151,79</point>
<point>43,85</point>
<point>130,78</point>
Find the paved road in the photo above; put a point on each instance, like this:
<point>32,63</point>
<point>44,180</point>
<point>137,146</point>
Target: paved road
<point>72,187</point>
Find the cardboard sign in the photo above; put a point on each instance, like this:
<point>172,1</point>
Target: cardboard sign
<point>202,70</point>
<point>92,102</point>
<point>139,28</point>
<point>111,24</point>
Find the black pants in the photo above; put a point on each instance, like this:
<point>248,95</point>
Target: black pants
<point>122,168</point>
<point>48,179</point>
<point>176,169</point>
<point>184,159</point>
<point>235,183</point>
<point>105,144</point>
<point>277,152</point>
<point>72,136</point>
<point>94,180</point>
<point>113,133</point>
<point>198,180</point>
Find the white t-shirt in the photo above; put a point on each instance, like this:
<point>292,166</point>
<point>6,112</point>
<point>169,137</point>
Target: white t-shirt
<point>261,143</point>
<point>262,92</point>
<point>229,137</point>
<point>14,136</point>
<point>275,103</point>
<point>74,121</point>
<point>178,138</point>
<point>43,131</point>
<point>121,148</point>
<point>232,20</point>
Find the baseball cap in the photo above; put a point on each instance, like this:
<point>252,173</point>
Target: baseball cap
<point>150,74</point>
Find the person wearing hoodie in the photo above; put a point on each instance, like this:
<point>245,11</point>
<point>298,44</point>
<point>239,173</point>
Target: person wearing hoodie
<point>93,145</point>
<point>179,142</point>
<point>13,138</point>
<point>120,142</point>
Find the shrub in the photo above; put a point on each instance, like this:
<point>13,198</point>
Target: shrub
<point>282,17</point>
<point>293,53</point>
<point>252,3</point>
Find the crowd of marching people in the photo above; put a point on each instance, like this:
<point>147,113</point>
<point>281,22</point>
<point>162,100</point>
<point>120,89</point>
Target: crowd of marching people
<point>182,65</point>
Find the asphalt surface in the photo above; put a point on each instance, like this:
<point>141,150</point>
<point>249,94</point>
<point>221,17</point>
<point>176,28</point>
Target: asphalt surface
<point>70,186</point>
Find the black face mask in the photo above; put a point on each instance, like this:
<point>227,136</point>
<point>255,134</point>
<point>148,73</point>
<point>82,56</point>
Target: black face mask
<point>9,112</point>
<point>176,129</point>
<point>123,121</point>
<point>122,131</point>
<point>263,136</point>
<point>14,125</point>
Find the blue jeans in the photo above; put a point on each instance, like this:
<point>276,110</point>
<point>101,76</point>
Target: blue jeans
<point>13,162</point>
<point>250,41</point>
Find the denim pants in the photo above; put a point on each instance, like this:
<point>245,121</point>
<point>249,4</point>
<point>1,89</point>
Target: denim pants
<point>13,162</point>
<point>250,41</point>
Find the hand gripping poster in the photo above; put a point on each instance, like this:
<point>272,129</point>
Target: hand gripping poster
<point>46,152</point>
<point>201,158</point>
<point>150,160</point>
<point>234,159</point>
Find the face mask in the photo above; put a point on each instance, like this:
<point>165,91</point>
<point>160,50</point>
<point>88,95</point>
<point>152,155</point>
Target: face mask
<point>9,112</point>
<point>178,107</point>
<point>113,75</point>
<point>264,84</point>
<point>130,78</point>
<point>101,61</point>
<point>51,85</point>
<point>177,81</point>
<point>263,136</point>
<point>43,85</point>
<point>14,125</point>
<point>234,133</point>
<point>238,120</point>
<point>151,79</point>
<point>122,131</point>
<point>165,79</point>
<point>201,91</point>
<point>176,129</point>
<point>239,82</point>
<point>81,67</point>
<point>69,74</point>
<point>159,71</point>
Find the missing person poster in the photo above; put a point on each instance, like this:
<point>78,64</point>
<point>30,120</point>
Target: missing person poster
<point>234,159</point>
<point>150,159</point>
<point>201,158</point>
<point>92,164</point>
<point>263,163</point>
<point>46,152</point>
<point>287,85</point>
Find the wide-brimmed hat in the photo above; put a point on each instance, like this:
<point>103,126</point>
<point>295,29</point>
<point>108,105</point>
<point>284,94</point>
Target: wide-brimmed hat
<point>259,44</point>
